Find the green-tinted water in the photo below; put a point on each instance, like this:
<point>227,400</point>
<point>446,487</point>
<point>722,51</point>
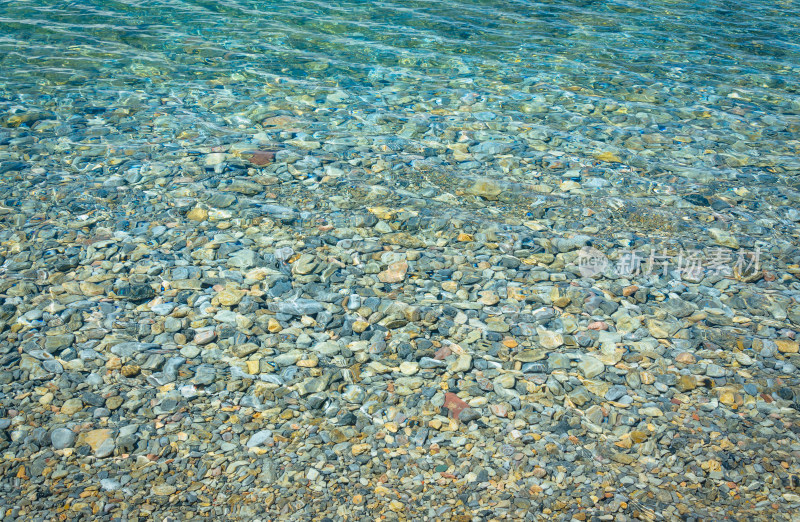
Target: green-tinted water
<point>694,92</point>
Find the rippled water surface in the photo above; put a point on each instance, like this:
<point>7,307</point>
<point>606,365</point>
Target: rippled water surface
<point>260,259</point>
<point>625,102</point>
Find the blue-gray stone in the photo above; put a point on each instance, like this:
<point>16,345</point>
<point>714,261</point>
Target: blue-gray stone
<point>52,366</point>
<point>278,211</point>
<point>204,375</point>
<point>62,438</point>
<point>258,438</point>
<point>616,392</point>
<point>171,368</point>
<point>94,380</point>
<point>421,436</point>
<point>105,449</point>
<point>251,401</point>
<point>130,429</point>
<point>491,148</point>
<point>163,309</point>
<point>169,373</point>
<point>99,413</point>
<point>127,349</point>
<point>271,377</point>
<point>110,484</point>
<point>534,367</point>
<point>427,363</point>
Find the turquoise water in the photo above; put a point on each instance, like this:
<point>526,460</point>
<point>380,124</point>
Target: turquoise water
<point>664,98</point>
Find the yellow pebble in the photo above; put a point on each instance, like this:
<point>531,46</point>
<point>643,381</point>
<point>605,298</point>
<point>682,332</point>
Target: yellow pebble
<point>609,157</point>
<point>197,214</point>
<point>274,326</point>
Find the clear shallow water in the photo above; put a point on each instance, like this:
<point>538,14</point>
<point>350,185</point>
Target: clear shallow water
<point>124,137</point>
<point>673,97</point>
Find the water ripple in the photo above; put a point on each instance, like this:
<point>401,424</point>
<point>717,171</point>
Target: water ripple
<point>672,88</point>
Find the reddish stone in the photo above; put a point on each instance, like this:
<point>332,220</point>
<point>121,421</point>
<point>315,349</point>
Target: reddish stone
<point>629,290</point>
<point>498,410</point>
<point>262,157</point>
<point>598,325</point>
<point>442,352</point>
<point>395,273</point>
<point>453,403</point>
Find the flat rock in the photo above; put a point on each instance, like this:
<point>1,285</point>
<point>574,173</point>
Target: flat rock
<point>591,366</point>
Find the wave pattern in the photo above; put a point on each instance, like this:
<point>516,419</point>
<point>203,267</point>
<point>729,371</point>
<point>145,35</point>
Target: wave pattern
<point>668,96</point>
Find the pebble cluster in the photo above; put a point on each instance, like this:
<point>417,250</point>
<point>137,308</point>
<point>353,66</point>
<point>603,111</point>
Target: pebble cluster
<point>240,346</point>
<point>332,289</point>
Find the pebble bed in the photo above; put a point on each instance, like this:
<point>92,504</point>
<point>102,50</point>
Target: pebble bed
<point>251,288</point>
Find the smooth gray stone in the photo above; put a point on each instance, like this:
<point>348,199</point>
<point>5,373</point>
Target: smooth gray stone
<point>62,438</point>
<point>130,429</point>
